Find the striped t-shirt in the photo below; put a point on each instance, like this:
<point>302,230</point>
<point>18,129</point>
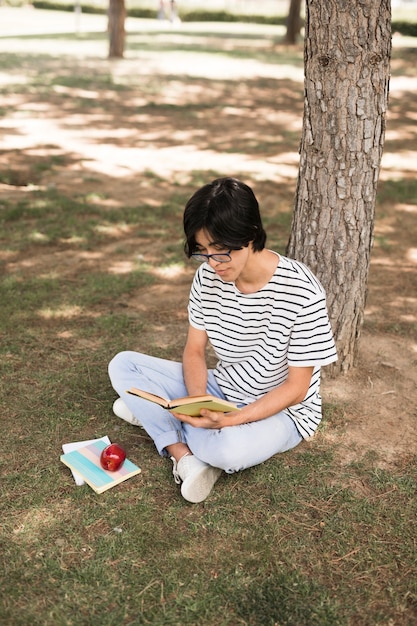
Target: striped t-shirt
<point>257,336</point>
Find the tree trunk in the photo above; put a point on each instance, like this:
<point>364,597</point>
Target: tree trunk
<point>117,17</point>
<point>347,51</point>
<point>293,22</point>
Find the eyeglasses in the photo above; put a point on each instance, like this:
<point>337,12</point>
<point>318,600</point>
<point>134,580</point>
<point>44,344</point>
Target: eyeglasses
<point>221,257</point>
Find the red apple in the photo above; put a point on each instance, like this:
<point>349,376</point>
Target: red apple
<point>112,457</point>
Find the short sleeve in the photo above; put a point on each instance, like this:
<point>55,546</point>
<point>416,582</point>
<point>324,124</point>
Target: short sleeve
<point>311,341</point>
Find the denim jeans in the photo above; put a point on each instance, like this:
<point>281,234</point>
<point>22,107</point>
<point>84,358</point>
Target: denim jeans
<point>232,448</point>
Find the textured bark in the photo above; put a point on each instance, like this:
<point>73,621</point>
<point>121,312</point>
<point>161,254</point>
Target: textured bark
<point>347,51</point>
<point>293,22</point>
<point>117,17</point>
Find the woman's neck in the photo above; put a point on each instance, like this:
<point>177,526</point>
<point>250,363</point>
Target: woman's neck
<point>258,271</point>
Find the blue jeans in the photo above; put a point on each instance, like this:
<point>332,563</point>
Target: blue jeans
<point>232,448</point>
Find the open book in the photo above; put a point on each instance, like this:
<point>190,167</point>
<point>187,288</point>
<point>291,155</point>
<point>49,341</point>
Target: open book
<point>190,405</point>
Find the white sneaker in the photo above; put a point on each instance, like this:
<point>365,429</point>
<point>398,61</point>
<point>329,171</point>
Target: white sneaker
<point>197,478</point>
<point>121,410</point>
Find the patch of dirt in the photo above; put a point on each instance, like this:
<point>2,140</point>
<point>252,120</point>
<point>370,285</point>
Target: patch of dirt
<point>379,397</point>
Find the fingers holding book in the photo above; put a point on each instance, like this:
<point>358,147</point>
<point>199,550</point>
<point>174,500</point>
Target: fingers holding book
<point>206,419</point>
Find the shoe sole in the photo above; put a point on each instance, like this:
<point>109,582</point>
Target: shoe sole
<point>197,487</point>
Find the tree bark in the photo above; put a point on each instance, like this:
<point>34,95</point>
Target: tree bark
<point>117,17</point>
<point>293,22</point>
<point>347,50</point>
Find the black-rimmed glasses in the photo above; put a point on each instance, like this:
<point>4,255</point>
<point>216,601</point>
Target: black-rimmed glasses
<point>220,257</point>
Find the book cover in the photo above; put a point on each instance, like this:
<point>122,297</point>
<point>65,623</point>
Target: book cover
<point>75,445</point>
<point>85,462</point>
<point>190,405</point>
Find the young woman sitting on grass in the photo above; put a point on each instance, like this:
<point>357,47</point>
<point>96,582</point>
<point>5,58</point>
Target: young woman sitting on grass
<point>265,317</point>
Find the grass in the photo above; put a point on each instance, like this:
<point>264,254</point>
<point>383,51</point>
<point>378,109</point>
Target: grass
<point>49,218</point>
<point>301,540</point>
<point>311,552</point>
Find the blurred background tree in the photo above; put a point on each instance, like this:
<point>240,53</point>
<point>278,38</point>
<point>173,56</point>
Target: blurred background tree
<point>116,27</point>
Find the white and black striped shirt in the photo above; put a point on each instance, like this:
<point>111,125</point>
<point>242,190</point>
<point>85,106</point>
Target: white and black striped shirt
<point>257,336</point>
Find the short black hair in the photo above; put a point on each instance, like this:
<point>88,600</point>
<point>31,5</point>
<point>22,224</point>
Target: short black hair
<point>228,211</point>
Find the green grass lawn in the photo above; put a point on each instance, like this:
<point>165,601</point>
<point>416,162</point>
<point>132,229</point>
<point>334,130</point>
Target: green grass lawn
<point>301,540</point>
